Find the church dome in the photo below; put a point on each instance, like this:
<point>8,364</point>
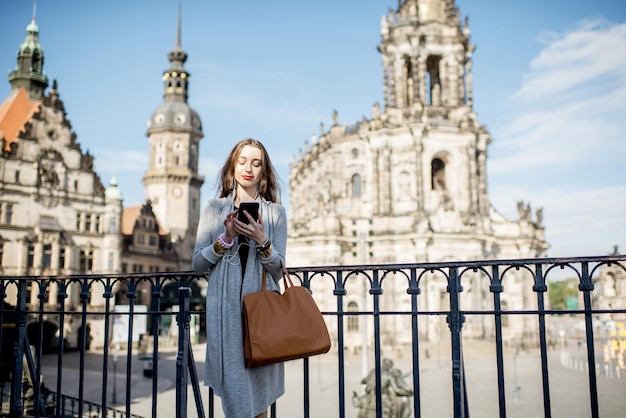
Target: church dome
<point>174,114</point>
<point>113,192</point>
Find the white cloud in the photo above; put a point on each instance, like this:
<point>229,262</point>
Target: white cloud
<point>117,161</point>
<point>570,104</point>
<point>586,54</point>
<point>578,222</point>
<point>565,139</point>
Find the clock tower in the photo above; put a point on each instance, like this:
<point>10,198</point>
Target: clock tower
<point>172,183</point>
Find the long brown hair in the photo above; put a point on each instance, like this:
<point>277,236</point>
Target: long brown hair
<point>269,189</point>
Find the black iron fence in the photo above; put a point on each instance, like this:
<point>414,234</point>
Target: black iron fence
<point>373,311</point>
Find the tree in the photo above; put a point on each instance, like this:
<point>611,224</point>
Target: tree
<point>560,291</point>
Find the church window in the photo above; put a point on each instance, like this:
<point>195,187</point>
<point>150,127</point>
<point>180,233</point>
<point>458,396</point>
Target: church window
<point>30,256</point>
<point>433,80</point>
<point>152,241</point>
<point>112,225</point>
<point>97,223</point>
<point>46,256</point>
<point>78,216</point>
<point>355,152</point>
<point>176,161</point>
<point>353,320</point>
<point>140,239</point>
<point>193,203</point>
<point>75,185</point>
<point>88,223</point>
<point>356,185</point>
<point>86,261</point>
<point>408,74</point>
<point>438,174</point>
<point>8,215</point>
<point>62,257</point>
<point>193,156</point>
<point>17,176</point>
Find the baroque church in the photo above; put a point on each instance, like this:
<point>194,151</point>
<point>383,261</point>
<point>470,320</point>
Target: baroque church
<point>409,183</point>
<point>56,216</point>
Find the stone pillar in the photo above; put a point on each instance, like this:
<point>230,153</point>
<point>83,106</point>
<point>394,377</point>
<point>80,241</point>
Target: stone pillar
<point>468,82</point>
<point>419,178</point>
<point>422,79</point>
<point>482,182</point>
<point>473,179</point>
<point>417,97</point>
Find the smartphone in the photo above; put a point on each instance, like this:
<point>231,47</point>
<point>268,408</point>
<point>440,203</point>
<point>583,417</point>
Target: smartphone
<point>251,207</point>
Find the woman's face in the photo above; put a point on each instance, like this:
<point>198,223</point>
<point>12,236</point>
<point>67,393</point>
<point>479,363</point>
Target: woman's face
<point>248,167</point>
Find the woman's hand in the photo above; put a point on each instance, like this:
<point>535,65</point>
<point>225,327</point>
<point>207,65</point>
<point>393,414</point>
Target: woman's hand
<point>253,230</point>
<point>231,227</point>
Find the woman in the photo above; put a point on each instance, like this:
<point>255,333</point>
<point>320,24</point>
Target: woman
<point>235,254</point>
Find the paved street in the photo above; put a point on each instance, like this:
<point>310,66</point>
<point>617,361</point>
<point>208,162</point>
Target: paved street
<point>569,393</point>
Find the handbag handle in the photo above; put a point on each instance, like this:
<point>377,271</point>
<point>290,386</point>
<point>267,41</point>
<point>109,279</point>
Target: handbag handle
<point>286,278</point>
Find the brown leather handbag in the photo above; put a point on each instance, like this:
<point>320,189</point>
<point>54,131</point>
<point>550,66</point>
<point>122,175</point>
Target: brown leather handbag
<point>280,327</point>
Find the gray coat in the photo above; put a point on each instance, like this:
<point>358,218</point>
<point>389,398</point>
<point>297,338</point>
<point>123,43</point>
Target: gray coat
<point>243,392</point>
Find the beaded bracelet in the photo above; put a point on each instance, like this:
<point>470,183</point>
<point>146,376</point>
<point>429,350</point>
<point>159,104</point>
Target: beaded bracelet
<point>222,241</point>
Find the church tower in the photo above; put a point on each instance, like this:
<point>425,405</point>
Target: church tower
<point>172,183</point>
<point>409,184</point>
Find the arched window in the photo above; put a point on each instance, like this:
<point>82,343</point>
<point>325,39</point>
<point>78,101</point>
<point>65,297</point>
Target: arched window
<point>356,185</point>
<point>353,320</point>
<point>433,80</point>
<point>438,174</point>
<point>408,74</point>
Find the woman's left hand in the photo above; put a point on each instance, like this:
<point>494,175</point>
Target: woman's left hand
<point>253,230</point>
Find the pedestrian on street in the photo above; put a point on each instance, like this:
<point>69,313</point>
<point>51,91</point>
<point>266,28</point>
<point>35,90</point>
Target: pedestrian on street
<point>235,253</point>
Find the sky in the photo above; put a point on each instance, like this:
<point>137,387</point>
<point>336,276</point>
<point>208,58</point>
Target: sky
<point>549,83</point>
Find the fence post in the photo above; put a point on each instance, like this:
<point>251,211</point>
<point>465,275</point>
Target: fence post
<point>586,286</point>
<point>182,359</point>
<point>455,323</point>
<point>17,407</point>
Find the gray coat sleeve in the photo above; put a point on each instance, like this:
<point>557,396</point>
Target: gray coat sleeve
<point>211,225</point>
<point>276,229</point>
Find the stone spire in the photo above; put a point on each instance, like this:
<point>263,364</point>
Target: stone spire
<point>176,79</point>
<point>29,71</point>
<point>427,59</point>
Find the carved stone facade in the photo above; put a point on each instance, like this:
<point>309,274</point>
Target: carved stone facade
<point>409,184</point>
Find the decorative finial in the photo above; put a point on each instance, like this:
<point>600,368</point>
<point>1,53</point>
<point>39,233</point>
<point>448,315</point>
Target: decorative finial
<point>179,25</point>
<point>34,9</point>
